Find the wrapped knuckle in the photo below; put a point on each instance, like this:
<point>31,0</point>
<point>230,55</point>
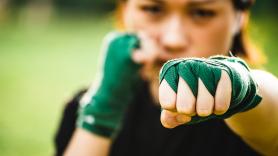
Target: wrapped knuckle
<point>185,109</point>
<point>203,111</point>
<point>220,108</point>
<point>244,90</point>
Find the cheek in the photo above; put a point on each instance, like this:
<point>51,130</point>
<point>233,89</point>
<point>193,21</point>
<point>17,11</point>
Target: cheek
<point>215,39</point>
<point>136,21</point>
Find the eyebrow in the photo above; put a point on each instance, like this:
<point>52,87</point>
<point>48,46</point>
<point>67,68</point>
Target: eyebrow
<point>202,2</point>
<point>192,2</point>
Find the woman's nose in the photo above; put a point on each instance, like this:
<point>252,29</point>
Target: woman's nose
<point>173,36</point>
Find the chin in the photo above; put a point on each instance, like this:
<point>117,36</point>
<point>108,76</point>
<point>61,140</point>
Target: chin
<point>153,87</point>
<point>151,75</point>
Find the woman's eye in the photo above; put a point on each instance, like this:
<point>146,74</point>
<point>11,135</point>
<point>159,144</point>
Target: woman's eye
<point>152,9</point>
<point>202,13</point>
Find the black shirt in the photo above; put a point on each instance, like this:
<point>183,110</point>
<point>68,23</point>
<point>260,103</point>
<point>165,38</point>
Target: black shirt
<point>143,135</point>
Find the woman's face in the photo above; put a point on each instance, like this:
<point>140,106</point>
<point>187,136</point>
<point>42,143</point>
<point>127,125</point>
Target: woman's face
<point>185,28</point>
<point>182,28</point>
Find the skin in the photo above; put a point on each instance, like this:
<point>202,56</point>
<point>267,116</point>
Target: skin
<point>192,28</point>
<point>183,28</point>
<point>84,143</point>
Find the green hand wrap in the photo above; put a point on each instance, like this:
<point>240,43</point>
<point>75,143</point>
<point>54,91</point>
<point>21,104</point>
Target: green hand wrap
<point>107,104</point>
<point>244,88</point>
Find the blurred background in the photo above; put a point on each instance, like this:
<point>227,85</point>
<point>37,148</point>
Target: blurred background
<point>49,50</point>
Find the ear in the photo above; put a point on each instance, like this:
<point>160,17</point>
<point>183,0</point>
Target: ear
<point>240,20</point>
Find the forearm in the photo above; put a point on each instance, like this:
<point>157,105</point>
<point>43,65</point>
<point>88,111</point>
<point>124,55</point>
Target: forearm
<point>259,126</point>
<point>84,143</point>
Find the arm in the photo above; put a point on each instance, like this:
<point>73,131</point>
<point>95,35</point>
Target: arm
<point>103,107</point>
<point>259,126</point>
<point>88,144</point>
<point>184,101</point>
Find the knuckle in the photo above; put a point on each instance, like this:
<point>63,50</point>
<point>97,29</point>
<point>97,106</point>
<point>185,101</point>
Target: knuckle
<point>166,103</point>
<point>220,108</point>
<point>181,118</point>
<point>187,108</point>
<point>203,112</point>
<point>204,108</point>
<point>167,97</point>
<point>185,99</point>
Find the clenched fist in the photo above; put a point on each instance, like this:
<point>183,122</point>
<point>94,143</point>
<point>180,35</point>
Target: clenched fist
<point>194,90</point>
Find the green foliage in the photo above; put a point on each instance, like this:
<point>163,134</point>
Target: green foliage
<point>261,6</point>
<point>265,8</point>
<point>41,67</point>
<point>86,5</point>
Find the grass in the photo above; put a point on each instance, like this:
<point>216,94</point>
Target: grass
<point>42,65</point>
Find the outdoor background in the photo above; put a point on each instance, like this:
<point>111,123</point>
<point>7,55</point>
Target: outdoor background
<point>49,50</point>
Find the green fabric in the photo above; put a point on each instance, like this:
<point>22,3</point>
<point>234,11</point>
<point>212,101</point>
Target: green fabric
<point>103,114</point>
<point>244,88</point>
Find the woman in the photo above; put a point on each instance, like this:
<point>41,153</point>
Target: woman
<point>201,121</point>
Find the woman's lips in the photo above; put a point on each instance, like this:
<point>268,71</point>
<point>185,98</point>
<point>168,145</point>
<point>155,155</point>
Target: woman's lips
<point>164,56</point>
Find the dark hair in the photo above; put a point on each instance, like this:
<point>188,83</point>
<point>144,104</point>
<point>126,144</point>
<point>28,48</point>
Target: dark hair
<point>243,4</point>
<point>242,46</point>
<point>239,4</point>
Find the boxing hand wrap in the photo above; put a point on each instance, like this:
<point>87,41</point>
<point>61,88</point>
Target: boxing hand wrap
<point>104,111</point>
<point>244,88</point>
